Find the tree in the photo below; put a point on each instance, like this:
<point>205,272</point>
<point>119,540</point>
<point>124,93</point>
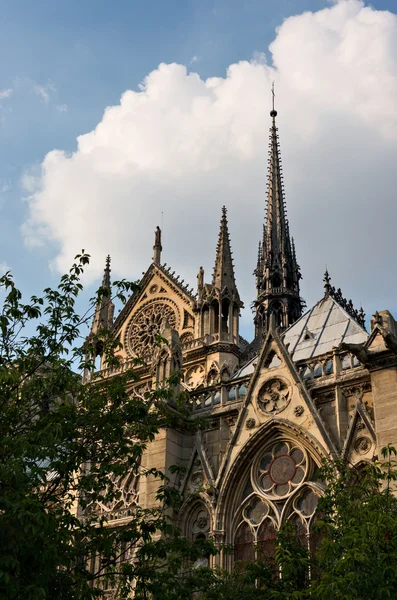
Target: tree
<point>357,558</point>
<point>66,445</point>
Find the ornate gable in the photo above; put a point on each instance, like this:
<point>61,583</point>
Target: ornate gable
<point>276,393</point>
<point>161,297</point>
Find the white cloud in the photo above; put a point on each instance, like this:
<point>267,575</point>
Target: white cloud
<point>6,93</point>
<point>62,108</point>
<point>194,59</point>
<point>182,146</point>
<point>3,268</point>
<point>44,91</point>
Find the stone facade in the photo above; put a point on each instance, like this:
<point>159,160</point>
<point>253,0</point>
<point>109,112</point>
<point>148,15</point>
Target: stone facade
<point>308,386</point>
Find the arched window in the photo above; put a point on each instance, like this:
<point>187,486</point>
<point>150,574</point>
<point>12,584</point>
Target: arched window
<point>277,309</point>
<point>205,323</point>
<point>329,367</point>
<point>281,487</point>
<point>225,316</point>
<point>244,544</point>
<point>266,541</point>
<point>215,308</point>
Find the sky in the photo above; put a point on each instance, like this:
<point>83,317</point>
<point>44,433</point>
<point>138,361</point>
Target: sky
<point>119,116</point>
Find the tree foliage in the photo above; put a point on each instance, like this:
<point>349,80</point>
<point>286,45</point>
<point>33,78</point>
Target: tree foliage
<point>65,443</point>
<point>356,553</point>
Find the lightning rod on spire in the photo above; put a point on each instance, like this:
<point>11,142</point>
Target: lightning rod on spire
<point>273,112</point>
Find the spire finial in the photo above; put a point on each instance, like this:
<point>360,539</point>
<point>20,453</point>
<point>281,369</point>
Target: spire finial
<point>327,283</point>
<point>273,112</point>
<point>157,248</point>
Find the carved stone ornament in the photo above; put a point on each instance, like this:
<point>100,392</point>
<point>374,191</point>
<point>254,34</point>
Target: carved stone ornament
<point>231,420</point>
<point>357,391</point>
<point>213,375</point>
<point>362,445</point>
<point>250,424</point>
<point>195,376</point>
<point>202,522</point>
<point>274,396</point>
<point>153,288</point>
<point>299,410</point>
<point>197,479</point>
<point>146,325</point>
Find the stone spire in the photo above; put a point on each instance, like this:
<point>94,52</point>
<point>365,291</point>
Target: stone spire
<point>223,275</point>
<point>277,272</point>
<point>157,248</point>
<point>219,303</point>
<point>104,310</point>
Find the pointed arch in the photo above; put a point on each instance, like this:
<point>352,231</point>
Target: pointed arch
<point>274,431</point>
<point>196,507</point>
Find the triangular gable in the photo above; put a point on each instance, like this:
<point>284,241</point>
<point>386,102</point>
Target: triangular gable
<point>169,280</point>
<point>198,465</point>
<point>294,403</point>
<point>360,430</point>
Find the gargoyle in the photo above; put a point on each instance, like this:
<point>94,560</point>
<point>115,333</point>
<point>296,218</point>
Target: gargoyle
<point>357,350</point>
<point>390,341</point>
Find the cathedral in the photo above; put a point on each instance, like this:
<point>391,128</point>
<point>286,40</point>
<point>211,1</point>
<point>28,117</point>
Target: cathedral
<point>313,384</point>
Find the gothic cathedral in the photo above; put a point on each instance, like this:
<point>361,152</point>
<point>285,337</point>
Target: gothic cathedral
<point>312,384</point>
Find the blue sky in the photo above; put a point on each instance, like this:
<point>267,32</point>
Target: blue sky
<point>65,62</point>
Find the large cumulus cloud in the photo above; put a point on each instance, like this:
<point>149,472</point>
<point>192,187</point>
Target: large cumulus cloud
<point>179,148</point>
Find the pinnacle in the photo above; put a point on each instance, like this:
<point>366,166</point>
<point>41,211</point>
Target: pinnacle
<point>103,316</point>
<point>106,273</point>
<point>223,275</point>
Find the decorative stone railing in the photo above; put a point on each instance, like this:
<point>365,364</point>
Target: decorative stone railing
<point>221,395</point>
<point>328,366</point>
<point>122,368</point>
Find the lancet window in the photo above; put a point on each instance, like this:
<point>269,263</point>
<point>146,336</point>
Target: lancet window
<point>281,487</point>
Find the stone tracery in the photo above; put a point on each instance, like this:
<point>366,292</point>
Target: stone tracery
<point>146,325</point>
<point>279,489</point>
<point>274,396</point>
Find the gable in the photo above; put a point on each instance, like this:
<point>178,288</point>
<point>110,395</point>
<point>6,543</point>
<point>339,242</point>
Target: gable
<point>159,298</point>
<point>199,473</point>
<point>275,394</point>
<point>360,443</point>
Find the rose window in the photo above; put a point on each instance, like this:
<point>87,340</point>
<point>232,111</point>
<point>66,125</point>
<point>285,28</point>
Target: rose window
<point>274,396</point>
<point>282,469</point>
<point>146,326</point>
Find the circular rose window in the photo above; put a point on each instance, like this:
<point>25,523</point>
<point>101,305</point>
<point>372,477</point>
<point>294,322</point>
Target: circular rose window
<point>145,327</point>
<point>282,469</point>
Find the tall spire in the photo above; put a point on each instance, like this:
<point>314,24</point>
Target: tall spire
<point>103,317</point>
<point>277,271</point>
<point>223,275</point>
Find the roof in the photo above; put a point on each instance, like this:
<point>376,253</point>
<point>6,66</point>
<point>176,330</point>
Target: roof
<point>322,328</point>
<point>246,369</point>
